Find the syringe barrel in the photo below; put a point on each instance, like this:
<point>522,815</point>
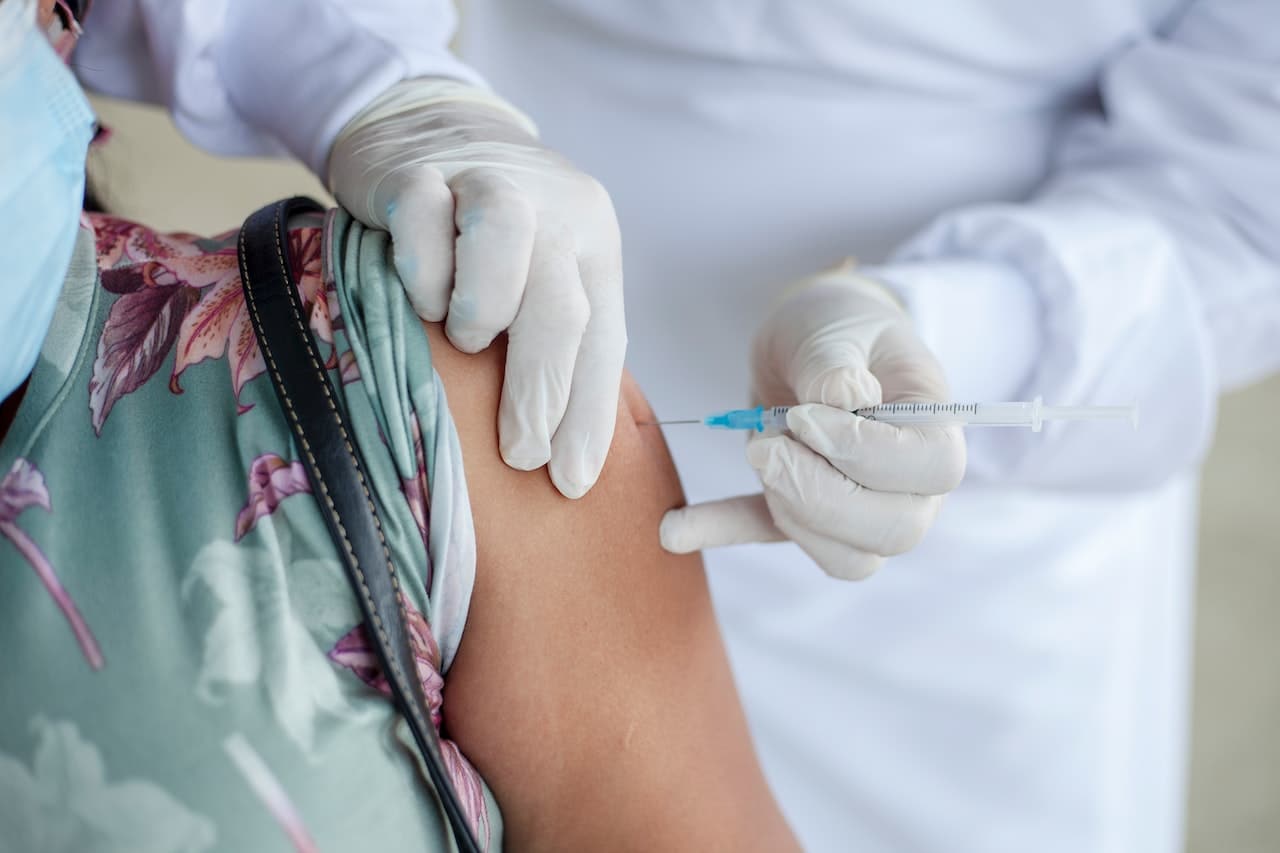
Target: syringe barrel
<point>773,417</point>
<point>989,414</point>
<point>902,414</point>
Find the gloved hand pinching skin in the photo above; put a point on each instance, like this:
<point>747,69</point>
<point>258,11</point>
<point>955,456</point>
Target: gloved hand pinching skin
<point>848,490</point>
<point>493,232</point>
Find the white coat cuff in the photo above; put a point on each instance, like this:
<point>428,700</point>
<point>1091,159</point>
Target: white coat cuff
<point>324,102</point>
<point>982,319</point>
<point>302,84</point>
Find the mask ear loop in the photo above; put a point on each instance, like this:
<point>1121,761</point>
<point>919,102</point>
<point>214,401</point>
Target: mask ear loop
<point>72,11</point>
<point>64,35</point>
<point>79,8</point>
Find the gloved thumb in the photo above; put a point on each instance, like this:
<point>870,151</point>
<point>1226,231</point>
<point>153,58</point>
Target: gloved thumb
<point>731,521</point>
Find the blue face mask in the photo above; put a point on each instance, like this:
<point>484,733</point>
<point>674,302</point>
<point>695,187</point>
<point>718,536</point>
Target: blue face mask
<point>45,128</point>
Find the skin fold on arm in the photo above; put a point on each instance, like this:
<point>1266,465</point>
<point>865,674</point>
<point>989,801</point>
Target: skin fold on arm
<point>592,690</point>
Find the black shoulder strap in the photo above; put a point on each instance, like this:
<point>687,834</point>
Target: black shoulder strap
<point>336,472</point>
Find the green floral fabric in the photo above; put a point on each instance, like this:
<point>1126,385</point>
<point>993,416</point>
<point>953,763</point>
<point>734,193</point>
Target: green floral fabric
<point>187,669</point>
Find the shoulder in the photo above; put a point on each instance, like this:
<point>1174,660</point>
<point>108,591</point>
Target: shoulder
<point>591,689</point>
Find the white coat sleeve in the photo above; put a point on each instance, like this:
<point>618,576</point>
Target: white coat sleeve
<point>252,77</point>
<point>1152,255</point>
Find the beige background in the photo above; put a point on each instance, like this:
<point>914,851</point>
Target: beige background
<point>150,173</point>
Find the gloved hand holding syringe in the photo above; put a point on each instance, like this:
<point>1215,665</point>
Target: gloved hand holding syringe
<point>1031,414</point>
<point>857,470</point>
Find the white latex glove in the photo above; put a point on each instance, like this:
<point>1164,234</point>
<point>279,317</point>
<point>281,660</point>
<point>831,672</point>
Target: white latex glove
<point>497,233</point>
<point>847,490</point>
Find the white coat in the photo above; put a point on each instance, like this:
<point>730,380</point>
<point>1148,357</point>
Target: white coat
<point>1076,199</point>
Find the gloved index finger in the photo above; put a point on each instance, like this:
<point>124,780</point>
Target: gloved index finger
<point>496,227</point>
<point>542,349</point>
<point>922,460</point>
<point>420,220</point>
<point>582,440</point>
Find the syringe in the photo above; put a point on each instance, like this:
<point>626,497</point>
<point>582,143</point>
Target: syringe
<point>1020,414</point>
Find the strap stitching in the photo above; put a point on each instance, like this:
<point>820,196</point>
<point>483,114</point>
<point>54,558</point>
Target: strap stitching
<point>397,670</point>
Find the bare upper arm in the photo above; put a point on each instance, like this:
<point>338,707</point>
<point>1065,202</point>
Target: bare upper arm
<point>591,689</point>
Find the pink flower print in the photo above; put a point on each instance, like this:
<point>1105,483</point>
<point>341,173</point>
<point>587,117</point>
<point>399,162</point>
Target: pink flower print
<point>176,288</point>
<point>348,368</point>
<point>269,790</point>
<point>271,480</point>
<point>159,278</point>
<point>469,788</point>
<point>119,239</point>
<point>219,319</point>
<point>306,263</point>
<point>417,492</point>
<point>111,234</point>
<point>355,652</point>
<point>138,334</point>
<point>24,487</point>
<point>220,323</point>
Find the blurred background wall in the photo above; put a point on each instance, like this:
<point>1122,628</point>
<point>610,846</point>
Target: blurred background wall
<point>150,173</point>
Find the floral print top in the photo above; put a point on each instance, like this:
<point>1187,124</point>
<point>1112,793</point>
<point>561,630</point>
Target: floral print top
<point>187,668</point>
